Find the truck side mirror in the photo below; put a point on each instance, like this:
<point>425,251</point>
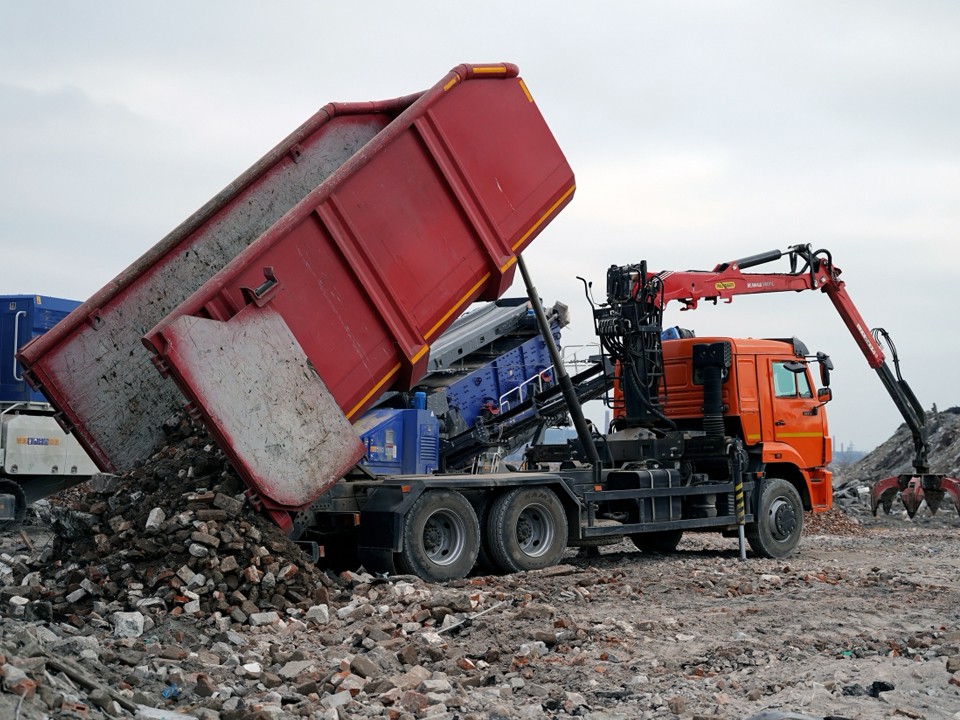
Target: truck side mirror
<point>826,365</point>
<point>824,394</point>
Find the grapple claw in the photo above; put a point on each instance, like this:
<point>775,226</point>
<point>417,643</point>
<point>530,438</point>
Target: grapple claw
<point>951,486</point>
<point>912,496</point>
<point>914,490</point>
<point>883,493</point>
<point>933,497</point>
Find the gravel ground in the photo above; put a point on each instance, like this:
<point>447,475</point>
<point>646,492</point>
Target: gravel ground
<point>162,594</point>
<point>863,622</point>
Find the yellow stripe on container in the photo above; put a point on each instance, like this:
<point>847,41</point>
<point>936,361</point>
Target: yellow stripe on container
<point>523,86</point>
<point>543,217</point>
<point>376,388</point>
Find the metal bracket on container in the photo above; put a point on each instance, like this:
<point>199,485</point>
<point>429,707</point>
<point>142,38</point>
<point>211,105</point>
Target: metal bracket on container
<point>161,365</point>
<point>263,293</point>
<point>65,424</point>
<point>95,319</point>
<point>193,412</point>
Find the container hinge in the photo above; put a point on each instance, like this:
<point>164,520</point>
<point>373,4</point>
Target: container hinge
<point>193,412</point>
<point>161,365</point>
<point>263,293</point>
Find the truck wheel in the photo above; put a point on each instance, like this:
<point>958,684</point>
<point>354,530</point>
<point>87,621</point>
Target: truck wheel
<point>661,542</point>
<point>484,564</point>
<point>441,536</point>
<point>779,525</point>
<point>526,529</point>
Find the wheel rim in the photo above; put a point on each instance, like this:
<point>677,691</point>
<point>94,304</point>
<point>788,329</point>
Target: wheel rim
<point>535,531</point>
<point>444,537</point>
<point>783,520</point>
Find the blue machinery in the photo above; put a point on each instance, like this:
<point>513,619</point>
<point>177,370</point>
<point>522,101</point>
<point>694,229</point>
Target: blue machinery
<point>490,384</point>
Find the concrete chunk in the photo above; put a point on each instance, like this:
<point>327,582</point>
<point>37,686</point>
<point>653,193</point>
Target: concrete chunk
<point>127,624</point>
<point>155,520</point>
<point>264,618</point>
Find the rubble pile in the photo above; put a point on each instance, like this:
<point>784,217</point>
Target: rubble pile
<point>174,536</point>
<point>609,637</point>
<point>832,522</point>
<point>851,484</point>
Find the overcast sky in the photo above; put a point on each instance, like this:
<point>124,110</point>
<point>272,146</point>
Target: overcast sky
<point>699,132</point>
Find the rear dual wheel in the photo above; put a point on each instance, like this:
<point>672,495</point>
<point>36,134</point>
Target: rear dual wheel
<point>526,529</point>
<point>441,537</point>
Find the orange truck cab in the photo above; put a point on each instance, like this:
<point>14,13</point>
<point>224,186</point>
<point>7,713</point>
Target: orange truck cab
<point>770,403</point>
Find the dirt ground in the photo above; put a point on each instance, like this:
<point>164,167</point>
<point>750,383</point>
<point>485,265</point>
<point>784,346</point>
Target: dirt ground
<point>824,633</point>
<point>863,622</point>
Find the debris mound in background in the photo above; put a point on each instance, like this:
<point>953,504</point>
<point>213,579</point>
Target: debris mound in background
<point>852,484</point>
<point>832,522</point>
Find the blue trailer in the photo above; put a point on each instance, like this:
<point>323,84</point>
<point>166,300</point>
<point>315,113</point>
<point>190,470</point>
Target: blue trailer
<point>22,318</point>
<point>37,458</point>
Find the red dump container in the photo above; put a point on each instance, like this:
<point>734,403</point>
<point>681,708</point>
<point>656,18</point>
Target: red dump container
<point>339,300</point>
<point>311,284</point>
<point>92,365</point>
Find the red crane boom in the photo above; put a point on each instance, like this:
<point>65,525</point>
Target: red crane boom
<point>814,270</point>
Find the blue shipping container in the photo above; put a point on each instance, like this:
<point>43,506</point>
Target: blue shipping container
<point>22,318</point>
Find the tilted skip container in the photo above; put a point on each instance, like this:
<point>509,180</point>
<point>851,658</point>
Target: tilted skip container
<point>281,322</point>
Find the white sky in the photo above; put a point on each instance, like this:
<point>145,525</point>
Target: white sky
<point>699,132</point>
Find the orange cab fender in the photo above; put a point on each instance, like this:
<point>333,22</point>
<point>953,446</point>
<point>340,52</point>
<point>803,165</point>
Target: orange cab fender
<point>783,461</point>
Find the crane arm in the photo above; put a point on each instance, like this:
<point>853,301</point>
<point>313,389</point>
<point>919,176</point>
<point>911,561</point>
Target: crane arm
<point>809,270</point>
<point>629,324</point>
<point>817,271</point>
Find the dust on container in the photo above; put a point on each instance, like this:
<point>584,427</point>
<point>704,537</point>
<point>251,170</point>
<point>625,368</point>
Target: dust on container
<point>339,255</point>
<point>338,301</point>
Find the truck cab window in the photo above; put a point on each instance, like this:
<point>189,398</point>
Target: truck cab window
<point>787,383</point>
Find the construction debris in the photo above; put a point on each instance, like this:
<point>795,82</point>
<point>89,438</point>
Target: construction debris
<point>164,595</point>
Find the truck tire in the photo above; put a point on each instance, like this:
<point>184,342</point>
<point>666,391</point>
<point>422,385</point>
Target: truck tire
<point>484,564</point>
<point>779,525</point>
<point>526,529</point>
<point>661,542</point>
<point>441,537</point>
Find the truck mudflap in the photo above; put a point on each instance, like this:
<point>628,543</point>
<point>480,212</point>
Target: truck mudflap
<point>914,490</point>
<point>368,231</point>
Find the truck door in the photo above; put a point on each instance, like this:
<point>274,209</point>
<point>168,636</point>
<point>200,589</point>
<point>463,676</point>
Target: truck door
<point>798,419</point>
